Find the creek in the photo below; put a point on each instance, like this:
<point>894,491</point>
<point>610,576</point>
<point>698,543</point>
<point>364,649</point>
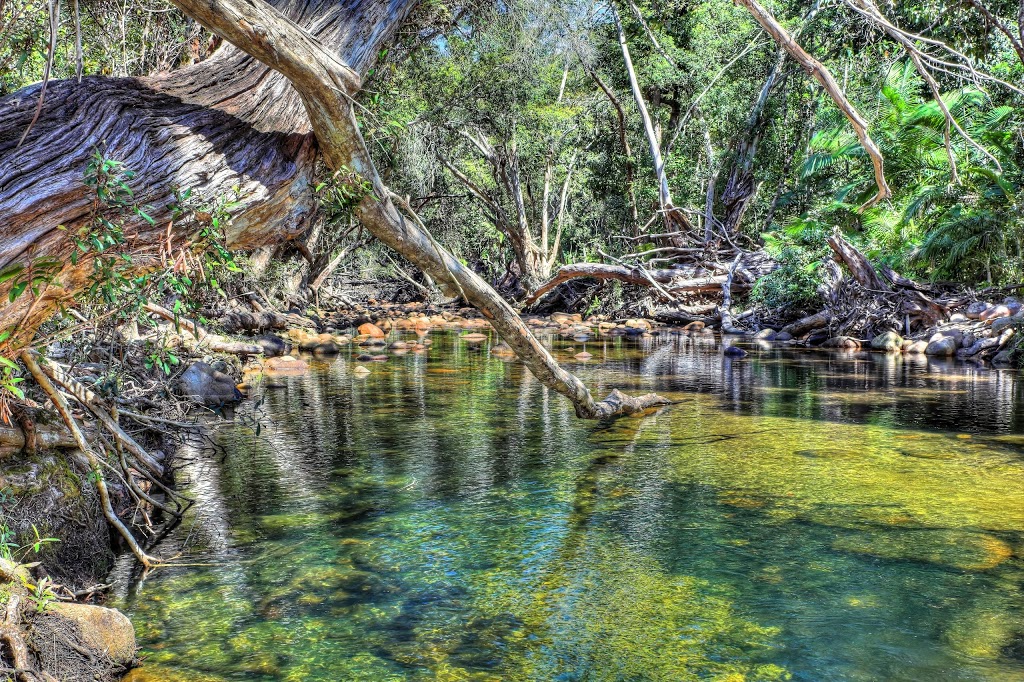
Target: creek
<point>796,515</point>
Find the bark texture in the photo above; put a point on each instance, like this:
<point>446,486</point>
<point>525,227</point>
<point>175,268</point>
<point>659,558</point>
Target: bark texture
<point>228,122</point>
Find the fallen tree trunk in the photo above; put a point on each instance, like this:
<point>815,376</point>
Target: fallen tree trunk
<point>261,322</point>
<point>808,324</point>
<point>228,122</point>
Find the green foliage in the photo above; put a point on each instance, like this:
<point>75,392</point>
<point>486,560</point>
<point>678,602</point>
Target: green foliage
<point>341,192</point>
<point>969,230</point>
<point>795,284</point>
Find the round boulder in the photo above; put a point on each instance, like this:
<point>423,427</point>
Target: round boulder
<point>887,341</point>
<point>371,330</point>
<point>975,310</point>
<point>205,385</point>
<point>942,346</point>
<point>105,630</point>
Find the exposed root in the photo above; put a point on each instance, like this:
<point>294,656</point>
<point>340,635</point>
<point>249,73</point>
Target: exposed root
<point>61,404</point>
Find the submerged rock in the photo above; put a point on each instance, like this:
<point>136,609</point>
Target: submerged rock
<point>735,352</point>
<point>962,550</point>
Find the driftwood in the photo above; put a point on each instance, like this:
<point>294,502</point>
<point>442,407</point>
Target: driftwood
<point>894,301</point>
<point>808,324</point>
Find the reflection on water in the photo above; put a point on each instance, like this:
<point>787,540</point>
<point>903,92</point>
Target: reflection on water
<point>796,516</point>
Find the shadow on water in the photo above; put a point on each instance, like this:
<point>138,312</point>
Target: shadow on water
<point>812,517</point>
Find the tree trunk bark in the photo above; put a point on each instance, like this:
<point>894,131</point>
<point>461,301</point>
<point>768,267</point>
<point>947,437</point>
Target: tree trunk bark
<point>228,122</point>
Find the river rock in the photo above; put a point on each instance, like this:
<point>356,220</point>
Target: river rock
<point>567,318</point>
<point>914,347</point>
<point>695,326</point>
<point>996,311</point>
<point>765,335</point>
<point>204,384</point>
<point>1013,304</point>
<point>783,336</point>
<point>1002,323</point>
<point>846,342</point>
<point>285,365</point>
<point>637,325</point>
<point>975,310</point>
<point>887,341</point>
<point>942,346</point>
<point>371,330</point>
<point>735,352</point>
<point>105,630</point>
<point>1003,357</point>
<point>273,346</point>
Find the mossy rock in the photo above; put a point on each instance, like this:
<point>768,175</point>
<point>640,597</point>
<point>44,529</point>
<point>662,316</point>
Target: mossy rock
<point>962,550</point>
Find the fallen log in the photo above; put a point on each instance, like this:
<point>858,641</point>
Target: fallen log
<point>214,342</point>
<point>808,324</point>
<point>670,278</point>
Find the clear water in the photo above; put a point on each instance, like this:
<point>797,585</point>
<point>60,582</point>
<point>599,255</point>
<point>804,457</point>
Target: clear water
<point>796,516</point>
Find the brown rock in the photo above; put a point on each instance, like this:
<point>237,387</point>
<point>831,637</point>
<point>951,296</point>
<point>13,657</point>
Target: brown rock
<point>371,330</point>
<point>100,628</point>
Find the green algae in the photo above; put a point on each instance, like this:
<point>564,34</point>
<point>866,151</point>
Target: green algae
<point>406,528</point>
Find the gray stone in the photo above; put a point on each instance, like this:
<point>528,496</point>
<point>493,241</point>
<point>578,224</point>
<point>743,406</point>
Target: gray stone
<point>1003,323</point>
<point>765,335</point>
<point>204,384</point>
<point>734,352</point>
<point>273,346</point>
<point>942,346</point>
<point>1003,357</point>
<point>975,310</point>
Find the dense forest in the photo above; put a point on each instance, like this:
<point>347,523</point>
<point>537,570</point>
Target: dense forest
<point>190,188</point>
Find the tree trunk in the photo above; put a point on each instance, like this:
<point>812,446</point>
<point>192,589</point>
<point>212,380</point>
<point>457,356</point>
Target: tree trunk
<point>824,77</point>
<point>674,219</point>
<point>230,121</point>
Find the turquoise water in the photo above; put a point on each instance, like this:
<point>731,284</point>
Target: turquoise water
<point>795,516</point>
